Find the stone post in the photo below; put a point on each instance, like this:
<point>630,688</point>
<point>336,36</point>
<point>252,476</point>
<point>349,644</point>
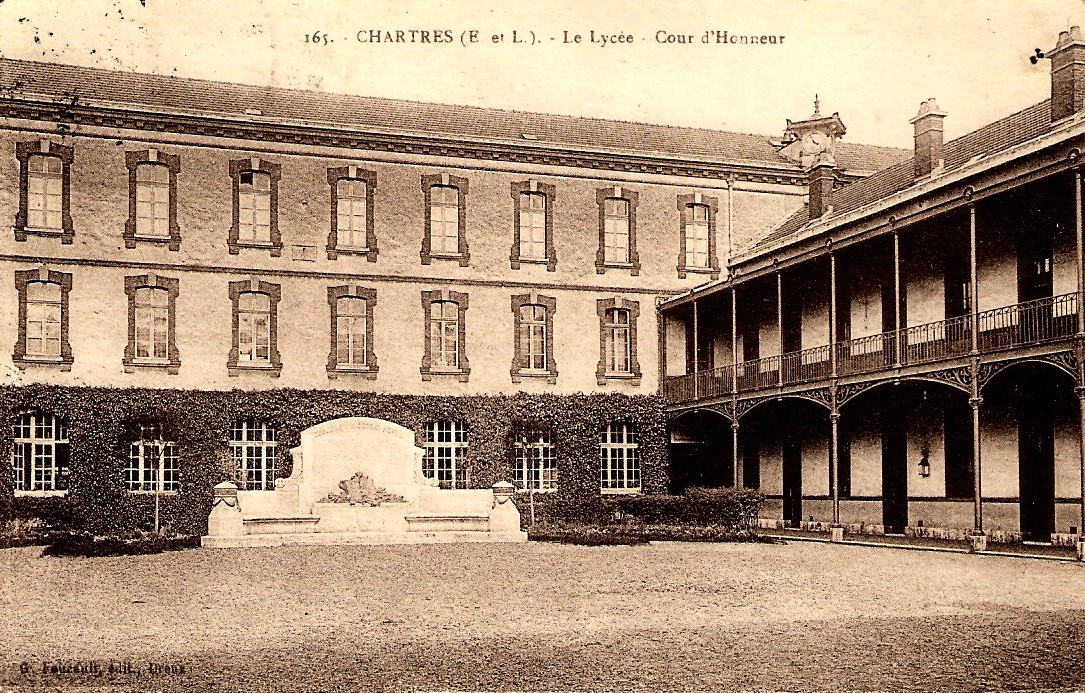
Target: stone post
<point>225,518</point>
<point>504,517</point>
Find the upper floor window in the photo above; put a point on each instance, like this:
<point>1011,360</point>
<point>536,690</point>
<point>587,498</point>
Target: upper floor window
<point>43,318</point>
<point>617,340</point>
<point>152,199</point>
<point>256,206</point>
<point>352,192</point>
<point>39,458</point>
<point>446,217</point>
<point>445,332</point>
<point>533,317</point>
<point>352,331</point>
<point>533,230</point>
<point>255,327</point>
<point>153,463</point>
<point>43,311</point>
<point>44,190</point>
<point>445,458</point>
<point>152,330</point>
<point>617,230</point>
<point>619,459</point>
<point>255,454</point>
<point>698,235</point>
<point>533,459</point>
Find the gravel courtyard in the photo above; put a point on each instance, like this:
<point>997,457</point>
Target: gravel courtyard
<point>542,616</point>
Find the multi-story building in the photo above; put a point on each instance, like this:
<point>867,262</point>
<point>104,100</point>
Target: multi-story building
<point>904,353</point>
<point>197,271</point>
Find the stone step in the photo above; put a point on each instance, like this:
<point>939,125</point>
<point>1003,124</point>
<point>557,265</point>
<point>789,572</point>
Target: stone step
<point>432,522</point>
<point>281,525</point>
<point>360,538</point>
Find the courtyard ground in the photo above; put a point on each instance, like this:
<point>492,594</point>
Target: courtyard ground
<point>670,616</point>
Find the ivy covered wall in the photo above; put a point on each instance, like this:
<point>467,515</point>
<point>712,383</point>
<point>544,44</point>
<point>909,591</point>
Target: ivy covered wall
<point>102,422</point>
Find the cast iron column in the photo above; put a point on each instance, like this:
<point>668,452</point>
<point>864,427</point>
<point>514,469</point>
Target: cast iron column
<point>836,531</point>
<point>1080,299</point>
<point>780,324</point>
<point>898,337</point>
<point>696,355</point>
<point>739,477</point>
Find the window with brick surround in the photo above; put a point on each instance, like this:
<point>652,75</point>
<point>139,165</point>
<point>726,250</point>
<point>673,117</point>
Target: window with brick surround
<point>619,458</point>
<point>255,206</point>
<point>445,458</point>
<point>351,331</point>
<point>445,348</point>
<point>153,462</point>
<point>43,319</point>
<point>40,454</point>
<point>617,340</point>
<point>533,225</point>
<point>152,199</point>
<point>255,454</point>
<point>352,193</point>
<point>255,327</point>
<point>45,173</point>
<point>533,458</point>
<point>445,233</point>
<point>697,237</point>
<point>152,323</point>
<point>533,338</point>
<point>617,230</point>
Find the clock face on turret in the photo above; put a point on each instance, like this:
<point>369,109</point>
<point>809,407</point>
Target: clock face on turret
<point>815,143</point>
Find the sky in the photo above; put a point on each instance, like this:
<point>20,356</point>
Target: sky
<point>873,62</point>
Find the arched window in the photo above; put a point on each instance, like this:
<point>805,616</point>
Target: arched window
<point>45,192</point>
<point>617,337</point>
<point>533,343</point>
<point>444,220</point>
<point>254,452</point>
<point>153,200</point>
<point>445,334</point>
<point>254,207</point>
<point>39,460</point>
<point>696,230</point>
<point>350,210</point>
<point>152,323</point>
<point>616,230</point>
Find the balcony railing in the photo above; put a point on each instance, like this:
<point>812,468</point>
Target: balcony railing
<point>1023,324</point>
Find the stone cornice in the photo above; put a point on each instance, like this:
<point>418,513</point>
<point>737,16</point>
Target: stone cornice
<point>67,114</point>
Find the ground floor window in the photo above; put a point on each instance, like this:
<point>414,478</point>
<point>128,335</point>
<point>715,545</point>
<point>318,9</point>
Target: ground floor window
<point>254,452</point>
<point>619,458</point>
<point>446,453</point>
<point>152,462</point>
<point>39,460</point>
<point>533,459</point>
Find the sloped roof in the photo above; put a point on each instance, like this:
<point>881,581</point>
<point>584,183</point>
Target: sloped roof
<point>391,115</point>
<point>1000,135</point>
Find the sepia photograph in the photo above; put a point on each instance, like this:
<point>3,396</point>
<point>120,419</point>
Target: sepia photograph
<point>499,345</point>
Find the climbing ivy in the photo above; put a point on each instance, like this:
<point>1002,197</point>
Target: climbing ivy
<point>102,422</point>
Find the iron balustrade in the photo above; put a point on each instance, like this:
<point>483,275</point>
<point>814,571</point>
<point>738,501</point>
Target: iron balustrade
<point>1022,324</point>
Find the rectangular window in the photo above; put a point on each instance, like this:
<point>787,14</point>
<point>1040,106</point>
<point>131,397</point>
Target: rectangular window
<point>351,318</point>
<point>254,328</point>
<point>40,454</point>
<point>254,452</point>
<point>445,457</point>
<point>533,460</point>
<point>45,192</point>
<point>254,207</point>
<point>43,319</point>
<point>616,231</point>
<point>619,458</point>
<point>444,334</point>
<point>532,226</point>
<point>152,462</point>
<point>152,323</point>
<point>351,219</point>
<point>153,200</point>
<point>533,336</point>
<point>444,220</point>
<point>696,230</point>
<point>616,334</point>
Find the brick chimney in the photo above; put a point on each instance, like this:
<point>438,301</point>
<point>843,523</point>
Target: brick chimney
<point>821,187</point>
<point>928,138</point>
<point>1067,74</point>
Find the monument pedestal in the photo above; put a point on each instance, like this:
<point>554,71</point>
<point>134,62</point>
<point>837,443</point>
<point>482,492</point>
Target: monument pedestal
<point>359,481</point>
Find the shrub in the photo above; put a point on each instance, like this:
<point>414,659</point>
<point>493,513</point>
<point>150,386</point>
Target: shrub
<point>51,512</point>
<point>589,536</point>
<point>88,546</point>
